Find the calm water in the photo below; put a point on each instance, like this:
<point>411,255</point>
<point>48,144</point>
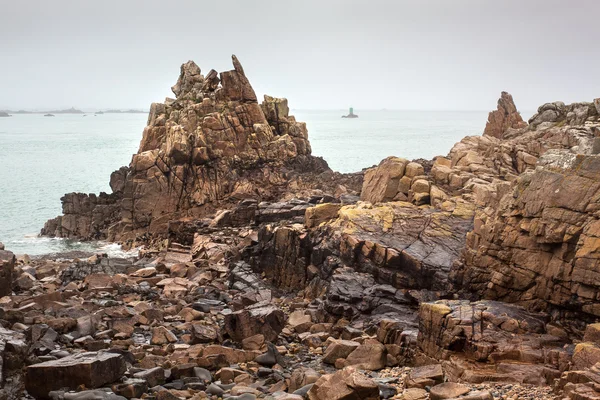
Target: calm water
<point>41,158</point>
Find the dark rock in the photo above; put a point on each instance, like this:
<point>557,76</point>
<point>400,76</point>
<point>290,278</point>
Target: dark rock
<point>267,320</point>
<point>90,369</point>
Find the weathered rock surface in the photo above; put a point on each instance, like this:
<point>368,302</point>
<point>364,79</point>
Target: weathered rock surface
<point>505,117</point>
<point>513,343</point>
<point>539,245</point>
<point>274,268</point>
<point>212,145</point>
<point>347,384</point>
<point>92,370</point>
<point>266,320</point>
<point>7,266</point>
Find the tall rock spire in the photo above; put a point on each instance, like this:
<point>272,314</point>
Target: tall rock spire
<point>506,116</point>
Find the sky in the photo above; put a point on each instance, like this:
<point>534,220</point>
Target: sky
<point>326,54</point>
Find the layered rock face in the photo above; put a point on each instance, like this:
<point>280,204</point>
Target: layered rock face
<point>539,245</point>
<point>212,145</point>
<point>533,237</point>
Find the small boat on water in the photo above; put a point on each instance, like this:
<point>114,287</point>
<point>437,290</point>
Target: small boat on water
<point>350,114</point>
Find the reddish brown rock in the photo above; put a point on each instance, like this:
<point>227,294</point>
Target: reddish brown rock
<point>267,320</point>
<point>506,116</point>
<point>347,384</point>
<point>213,145</point>
<point>381,183</point>
<point>538,246</point>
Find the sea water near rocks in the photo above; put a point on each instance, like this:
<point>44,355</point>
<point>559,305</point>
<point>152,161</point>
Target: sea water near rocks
<point>42,158</point>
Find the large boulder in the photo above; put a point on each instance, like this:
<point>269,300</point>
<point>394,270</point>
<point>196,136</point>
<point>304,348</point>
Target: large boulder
<point>381,183</point>
<point>93,370</point>
<point>267,320</point>
<point>347,384</point>
<point>371,355</point>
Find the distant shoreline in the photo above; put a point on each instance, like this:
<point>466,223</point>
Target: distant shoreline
<point>75,111</point>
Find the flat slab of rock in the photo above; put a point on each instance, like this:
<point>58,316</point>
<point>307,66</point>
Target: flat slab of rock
<point>90,369</point>
<point>427,375</point>
<point>347,384</point>
<point>448,390</point>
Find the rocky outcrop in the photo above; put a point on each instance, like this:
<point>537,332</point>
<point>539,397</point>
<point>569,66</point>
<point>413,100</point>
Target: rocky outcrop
<point>514,345</point>
<point>85,216</point>
<point>557,113</point>
<point>397,243</point>
<point>538,246</point>
<point>273,265</point>
<point>212,145</point>
<point>505,117</point>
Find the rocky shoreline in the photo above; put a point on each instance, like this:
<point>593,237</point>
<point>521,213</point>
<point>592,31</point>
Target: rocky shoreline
<point>267,275</point>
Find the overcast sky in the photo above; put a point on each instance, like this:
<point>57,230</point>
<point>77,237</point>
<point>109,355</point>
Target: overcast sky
<point>421,54</point>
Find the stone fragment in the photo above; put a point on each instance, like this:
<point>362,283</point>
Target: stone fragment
<point>592,333</point>
<point>414,169</point>
<point>381,183</point>
<point>339,349</point>
<point>320,213</point>
<point>427,375</point>
<point>255,342</point>
<point>414,394</point>
<point>448,390</point>
<point>299,321</point>
<point>347,384</point>
<point>371,355</point>
<point>203,333</point>
<point>154,376</point>
<point>161,335</point>
<point>267,320</point>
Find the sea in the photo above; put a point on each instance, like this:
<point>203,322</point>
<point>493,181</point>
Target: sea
<point>42,158</point>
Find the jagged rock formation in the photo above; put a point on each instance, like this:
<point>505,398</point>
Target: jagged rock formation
<point>211,146</point>
<point>261,294</point>
<point>505,117</point>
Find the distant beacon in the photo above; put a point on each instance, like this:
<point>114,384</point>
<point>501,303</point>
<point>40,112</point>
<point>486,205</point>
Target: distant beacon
<point>350,114</point>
